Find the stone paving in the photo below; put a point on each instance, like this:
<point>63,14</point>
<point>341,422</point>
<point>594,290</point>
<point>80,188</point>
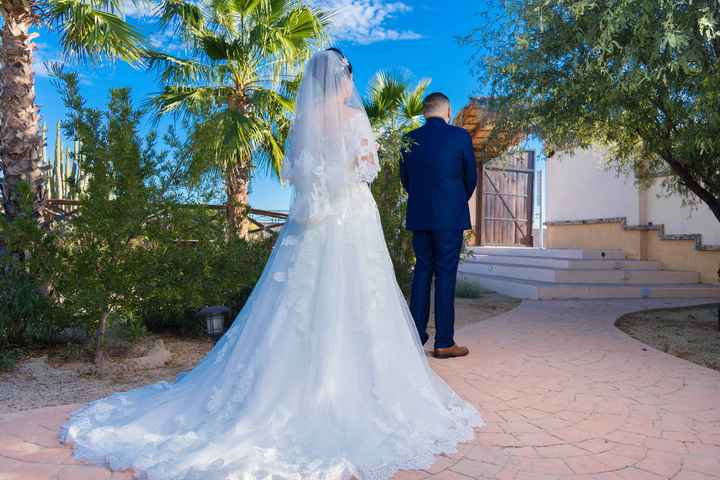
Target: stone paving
<point>564,393</point>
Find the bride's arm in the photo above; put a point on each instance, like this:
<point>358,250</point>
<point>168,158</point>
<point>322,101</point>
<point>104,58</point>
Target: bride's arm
<point>364,147</point>
<point>367,163</point>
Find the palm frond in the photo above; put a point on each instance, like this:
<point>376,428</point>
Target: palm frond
<point>218,48</point>
<point>412,102</point>
<point>385,97</point>
<point>240,81</point>
<point>189,100</point>
<point>95,29</point>
<point>175,70</point>
<point>186,14</point>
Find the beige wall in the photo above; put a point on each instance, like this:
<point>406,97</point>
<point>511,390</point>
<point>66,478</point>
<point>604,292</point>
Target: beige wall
<point>601,236</point>
<point>637,244</point>
<point>662,209</point>
<point>579,187</point>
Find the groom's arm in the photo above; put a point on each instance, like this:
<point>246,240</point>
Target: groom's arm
<point>403,169</point>
<point>469,167</point>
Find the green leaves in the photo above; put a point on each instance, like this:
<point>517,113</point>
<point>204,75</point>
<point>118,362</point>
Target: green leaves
<point>94,29</point>
<point>186,14</point>
<point>642,77</point>
<point>391,102</point>
<point>239,78</point>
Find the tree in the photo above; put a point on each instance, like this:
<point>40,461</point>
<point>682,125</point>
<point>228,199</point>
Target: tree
<point>121,210</point>
<point>394,108</point>
<point>236,83</point>
<point>88,29</point>
<point>639,76</point>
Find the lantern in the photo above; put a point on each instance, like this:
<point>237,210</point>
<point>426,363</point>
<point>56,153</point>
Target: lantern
<point>214,320</point>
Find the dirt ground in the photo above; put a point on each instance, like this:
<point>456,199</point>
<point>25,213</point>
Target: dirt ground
<point>57,376</point>
<point>48,377</point>
<point>689,333</point>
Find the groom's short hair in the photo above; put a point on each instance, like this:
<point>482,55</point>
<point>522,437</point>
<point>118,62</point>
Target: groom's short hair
<point>434,102</point>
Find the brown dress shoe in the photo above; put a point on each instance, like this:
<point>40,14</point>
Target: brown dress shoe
<point>451,352</point>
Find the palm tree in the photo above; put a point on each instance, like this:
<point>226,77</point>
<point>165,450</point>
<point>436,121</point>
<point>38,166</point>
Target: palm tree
<point>392,104</point>
<point>88,29</point>
<point>236,83</point>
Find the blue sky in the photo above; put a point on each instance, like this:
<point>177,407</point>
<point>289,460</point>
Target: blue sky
<point>416,38</point>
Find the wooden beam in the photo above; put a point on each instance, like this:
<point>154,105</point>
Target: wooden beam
<point>479,204</point>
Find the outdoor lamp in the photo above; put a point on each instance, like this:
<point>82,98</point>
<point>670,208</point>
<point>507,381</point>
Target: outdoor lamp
<point>214,320</point>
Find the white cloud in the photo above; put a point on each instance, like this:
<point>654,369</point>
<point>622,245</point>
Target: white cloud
<point>140,9</point>
<point>42,56</point>
<point>364,21</point>
<point>356,21</point>
<point>167,41</point>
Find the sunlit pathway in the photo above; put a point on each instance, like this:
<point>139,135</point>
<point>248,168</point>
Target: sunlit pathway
<point>564,393</point>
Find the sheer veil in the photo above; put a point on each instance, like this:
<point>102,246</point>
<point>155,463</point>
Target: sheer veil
<point>331,143</point>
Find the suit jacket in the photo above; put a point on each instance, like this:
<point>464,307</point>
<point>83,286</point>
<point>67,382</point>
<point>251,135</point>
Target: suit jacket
<point>440,175</point>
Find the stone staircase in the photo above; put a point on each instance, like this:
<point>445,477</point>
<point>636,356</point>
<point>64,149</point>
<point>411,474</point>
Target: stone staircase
<point>535,273</point>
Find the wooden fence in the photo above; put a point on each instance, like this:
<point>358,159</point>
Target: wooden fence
<point>264,221</point>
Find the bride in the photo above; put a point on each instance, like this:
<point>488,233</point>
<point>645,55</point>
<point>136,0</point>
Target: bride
<point>321,375</point>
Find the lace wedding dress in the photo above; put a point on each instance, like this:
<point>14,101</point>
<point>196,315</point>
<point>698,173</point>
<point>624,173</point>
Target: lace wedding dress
<point>321,376</point>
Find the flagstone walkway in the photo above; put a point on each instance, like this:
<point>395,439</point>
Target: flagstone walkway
<point>565,395</point>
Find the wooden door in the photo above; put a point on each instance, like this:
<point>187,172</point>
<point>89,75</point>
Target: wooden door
<point>504,209</point>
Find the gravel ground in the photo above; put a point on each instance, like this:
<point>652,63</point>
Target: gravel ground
<point>689,333</point>
<point>48,378</point>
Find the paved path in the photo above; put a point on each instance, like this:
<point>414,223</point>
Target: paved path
<point>565,395</point>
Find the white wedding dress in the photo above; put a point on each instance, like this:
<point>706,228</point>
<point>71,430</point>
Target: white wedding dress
<point>321,375</point>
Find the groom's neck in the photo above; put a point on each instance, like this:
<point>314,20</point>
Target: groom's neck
<point>435,117</point>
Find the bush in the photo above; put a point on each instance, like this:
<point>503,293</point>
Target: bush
<point>392,204</point>
<point>467,289</point>
<point>26,313</point>
<point>183,277</point>
<point>8,358</point>
<point>28,261</point>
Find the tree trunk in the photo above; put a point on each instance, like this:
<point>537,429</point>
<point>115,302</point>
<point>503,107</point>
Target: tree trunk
<point>20,136</point>
<point>686,177</point>
<point>100,340</point>
<point>237,184</point>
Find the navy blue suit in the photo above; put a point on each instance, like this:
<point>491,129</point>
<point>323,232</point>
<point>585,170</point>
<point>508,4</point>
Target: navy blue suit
<point>439,173</point>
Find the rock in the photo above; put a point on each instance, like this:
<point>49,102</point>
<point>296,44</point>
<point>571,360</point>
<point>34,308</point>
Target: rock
<point>156,357</point>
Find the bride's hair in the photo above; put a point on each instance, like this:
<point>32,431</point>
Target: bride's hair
<point>346,61</point>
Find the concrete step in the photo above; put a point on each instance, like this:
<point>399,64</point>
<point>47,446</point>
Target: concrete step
<point>568,253</point>
<point>565,263</point>
<point>555,275</point>
<point>537,290</point>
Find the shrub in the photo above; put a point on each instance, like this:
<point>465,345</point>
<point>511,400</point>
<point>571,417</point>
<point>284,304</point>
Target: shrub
<point>467,289</point>
<point>183,277</point>
<point>392,204</point>
<point>28,261</point>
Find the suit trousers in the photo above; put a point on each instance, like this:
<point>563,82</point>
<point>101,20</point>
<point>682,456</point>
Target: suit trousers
<point>437,254</point>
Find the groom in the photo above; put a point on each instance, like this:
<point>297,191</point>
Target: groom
<point>439,174</point>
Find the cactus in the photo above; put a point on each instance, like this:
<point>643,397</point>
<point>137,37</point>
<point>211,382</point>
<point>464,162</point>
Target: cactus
<point>67,178</point>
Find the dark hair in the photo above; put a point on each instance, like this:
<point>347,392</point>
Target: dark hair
<point>342,55</point>
<point>434,100</point>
